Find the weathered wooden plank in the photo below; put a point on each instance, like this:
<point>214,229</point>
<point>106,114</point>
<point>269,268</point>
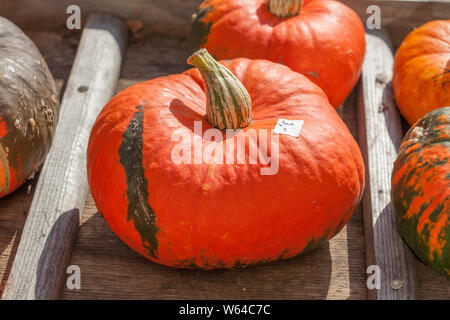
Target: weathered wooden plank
<point>53,219</point>
<point>173,17</point>
<point>430,284</point>
<point>380,137</point>
<point>398,11</point>
<point>169,16</point>
<point>13,214</point>
<point>399,17</point>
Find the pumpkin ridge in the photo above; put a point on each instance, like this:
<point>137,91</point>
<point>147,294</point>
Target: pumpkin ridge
<point>131,159</point>
<point>413,61</point>
<point>418,54</point>
<point>420,76</point>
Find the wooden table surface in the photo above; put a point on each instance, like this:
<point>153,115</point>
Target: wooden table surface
<point>110,270</point>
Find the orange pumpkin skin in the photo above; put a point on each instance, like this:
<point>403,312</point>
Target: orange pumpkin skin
<point>421,77</point>
<point>223,215</point>
<point>325,42</point>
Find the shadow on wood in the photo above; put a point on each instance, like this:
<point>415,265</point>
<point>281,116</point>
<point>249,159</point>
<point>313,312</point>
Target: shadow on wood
<point>418,13</point>
<point>13,214</point>
<point>56,255</point>
<point>380,134</point>
<point>355,255</point>
<point>385,227</point>
<point>111,270</point>
<point>354,228</point>
<point>392,116</point>
<point>431,285</point>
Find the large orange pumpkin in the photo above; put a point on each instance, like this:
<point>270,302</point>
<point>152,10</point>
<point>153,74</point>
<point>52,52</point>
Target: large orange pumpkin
<point>322,39</point>
<point>421,189</point>
<point>223,212</point>
<point>422,70</point>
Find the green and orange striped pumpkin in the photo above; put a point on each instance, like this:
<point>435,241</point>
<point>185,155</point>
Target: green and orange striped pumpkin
<point>421,189</point>
<point>29,108</point>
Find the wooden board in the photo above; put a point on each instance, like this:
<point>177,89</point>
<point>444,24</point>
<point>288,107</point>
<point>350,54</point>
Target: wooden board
<point>173,17</point>
<point>399,17</point>
<point>430,284</point>
<point>13,214</point>
<point>381,134</point>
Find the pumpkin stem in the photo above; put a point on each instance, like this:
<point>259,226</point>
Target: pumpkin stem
<point>285,8</point>
<point>228,104</point>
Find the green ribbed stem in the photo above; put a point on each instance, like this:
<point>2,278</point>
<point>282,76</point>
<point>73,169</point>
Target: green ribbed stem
<point>285,8</point>
<point>228,104</point>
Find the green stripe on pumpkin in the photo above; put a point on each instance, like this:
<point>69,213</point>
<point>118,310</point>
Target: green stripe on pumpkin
<point>200,29</point>
<point>139,209</point>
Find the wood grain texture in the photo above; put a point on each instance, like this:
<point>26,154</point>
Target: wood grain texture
<point>13,214</point>
<point>381,135</point>
<point>401,11</point>
<point>430,284</point>
<point>111,270</point>
<point>173,17</point>
<point>400,17</point>
<point>53,218</point>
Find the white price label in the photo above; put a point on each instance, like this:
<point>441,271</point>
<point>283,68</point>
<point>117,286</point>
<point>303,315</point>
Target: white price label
<point>289,127</point>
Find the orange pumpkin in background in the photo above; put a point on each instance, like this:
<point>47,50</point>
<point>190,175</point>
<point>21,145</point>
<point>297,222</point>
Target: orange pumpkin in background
<point>210,214</point>
<point>322,39</point>
<point>422,70</point>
